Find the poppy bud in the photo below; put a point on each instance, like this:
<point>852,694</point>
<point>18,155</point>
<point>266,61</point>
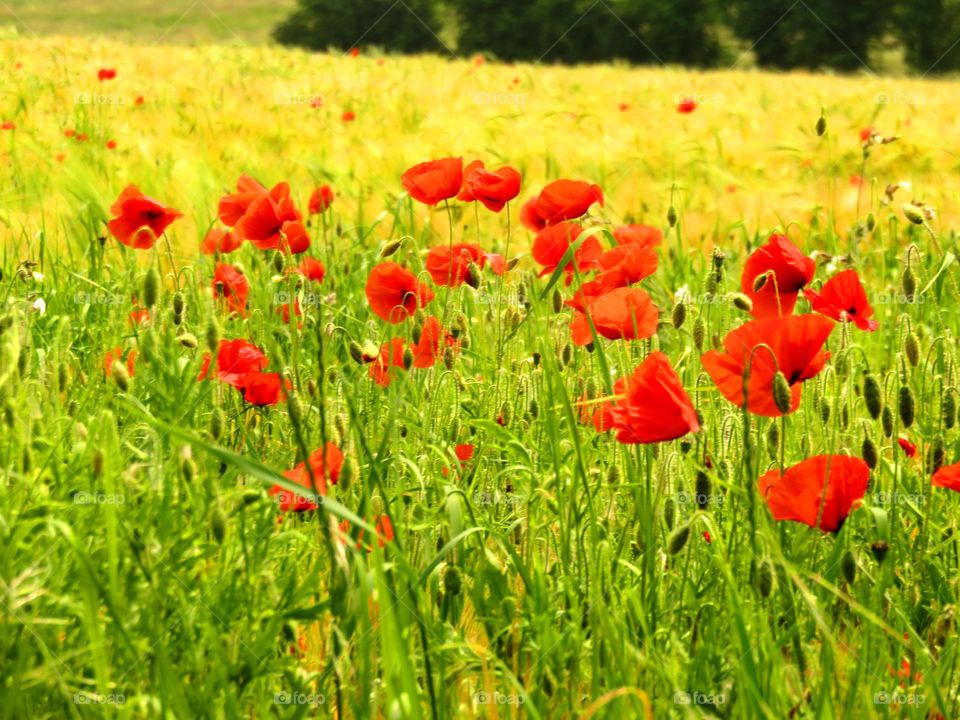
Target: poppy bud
<point>188,340</point>
<point>120,375</point>
<point>773,439</point>
<point>821,126</point>
<point>512,263</point>
<point>868,451</point>
<point>391,248</point>
<point>702,489</point>
<point>213,334</point>
<point>473,276</point>
<point>672,216</point>
<point>765,578</point>
<point>678,539</point>
<point>742,302</point>
<point>848,567</point>
<point>906,406</point>
<point>566,355</point>
<point>348,472</point>
<point>97,464</point>
<point>782,397</point>
<point>451,581</point>
<point>913,213</point>
<point>760,280</point>
<point>824,410</point>
<point>218,525</point>
<point>911,348</point>
<point>613,474</point>
<point>871,222</point>
<point>151,288</point>
<point>189,468</point>
<point>699,332</point>
<point>448,358</point>
<point>179,305</point>
<point>949,409</point>
<point>557,301</point>
<point>356,352</point>
<point>506,413</point>
<point>879,550</point>
<point>908,283</point>
<point>935,456</point>
<point>279,262</point>
<point>942,629</point>
<point>872,396</point>
<point>886,421</point>
<point>710,284</point>
<point>217,422</point>
<point>679,314</point>
<point>669,512</point>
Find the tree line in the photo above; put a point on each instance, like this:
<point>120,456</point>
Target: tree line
<point>779,34</point>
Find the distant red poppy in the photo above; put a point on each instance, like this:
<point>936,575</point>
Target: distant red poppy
<point>621,266</point>
<point>655,407</point>
<point>284,311</point>
<point>234,205</point>
<point>794,346</point>
<point>623,107</point>
<point>272,221</point>
<point>686,105</point>
<point>394,293</point>
<point>866,133</point>
<point>599,412</point>
<point>464,454</point>
<point>552,243</point>
<point>843,298</point>
<point>232,285</point>
<point>355,52</point>
<point>391,356</point>
<point>909,449</point>
<point>786,272</point>
<point>645,235</point>
<point>623,313</point>
<point>450,265</point>
<point>8,125</point>
<point>138,220</point>
<point>69,133</point>
<point>434,181</point>
<point>106,74</point>
<point>235,360</point>
<point>383,526</point>
<point>493,188</point>
<point>433,339</point>
<point>260,388</point>
<point>530,218</point>
<point>312,269</point>
<point>111,144</point>
<point>325,465</point>
<point>798,493</point>
<point>220,240</point>
<point>947,477</point>
<point>320,200</point>
<point>139,100</point>
<point>116,355</point>
<point>567,200</point>
<point>348,116</point>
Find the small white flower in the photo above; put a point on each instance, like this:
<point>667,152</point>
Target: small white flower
<point>38,276</point>
<point>40,306</point>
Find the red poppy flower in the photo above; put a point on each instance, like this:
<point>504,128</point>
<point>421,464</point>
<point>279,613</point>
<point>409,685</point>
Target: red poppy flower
<point>493,188</point>
<point>232,285</point>
<point>139,316</point>
<point>260,388</point>
<point>325,464</point>
<point>947,477</point>
<point>394,293</point>
<point>464,454</point>
<point>432,341</point>
<point>624,313</point>
<point>106,74</point>
<point>908,447</point>
<point>220,240</point>
<point>600,413</point>
<point>567,200</point>
<point>116,355</point>
<point>272,221</point>
<point>348,116</point>
<point>787,271</point>
<point>312,269</point>
<point>450,265</point>
<point>111,144</point>
<point>234,206</point>
<point>320,200</point>
<point>655,407</point>
<point>82,137</point>
<point>621,266</point>
<point>530,218</point>
<point>391,356</point>
<point>284,311</point>
<point>799,493</point>
<point>8,125</point>
<point>69,133</point>
<point>138,220</point>
<point>843,298</point>
<point>235,360</point>
<point>433,181</point>
<point>686,105</point>
<point>552,243</point>
<point>381,524</point>
<point>794,346</point>
<point>866,133</point>
<point>139,100</point>
<point>645,235</point>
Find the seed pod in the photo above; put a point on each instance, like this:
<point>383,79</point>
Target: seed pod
<point>702,489</point>
<point>868,451</point>
<point>782,397</point>
<point>391,248</point>
<point>848,567</point>
<point>217,422</point>
<point>151,288</point>
<point>872,396</point>
<point>348,471</point>
<point>97,464</point>
<point>672,216</point>
<point>451,581</point>
<point>120,375</point>
<point>760,280</point>
<point>935,456</point>
<point>188,340</point>
<point>678,539</point>
<point>824,410</point>
<point>534,408</point>
<point>679,315</point>
<point>710,284</point>
<point>213,334</point>
<point>871,222</point>
<point>179,305</point>
<point>218,525</point>
<point>765,578</point>
<point>566,355</point>
<point>356,352</point>
<point>913,213</point>
<point>908,283</point>
<point>886,421</point>
<point>949,409</point>
<point>879,550</point>
<point>911,348</point>
<point>473,276</point>
<point>742,302</point>
<point>557,301</point>
<point>773,439</point>
<point>699,332</point>
<point>906,406</point>
<point>669,512</point>
<point>821,125</point>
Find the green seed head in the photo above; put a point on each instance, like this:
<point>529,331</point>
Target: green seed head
<point>848,567</point>
<point>782,397</point>
<point>906,406</point>
<point>678,539</point>
<point>679,314</point>
<point>868,451</point>
<point>151,288</point>
<point>872,396</point>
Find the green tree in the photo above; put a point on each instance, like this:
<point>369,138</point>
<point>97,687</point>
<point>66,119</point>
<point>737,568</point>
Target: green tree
<point>929,31</point>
